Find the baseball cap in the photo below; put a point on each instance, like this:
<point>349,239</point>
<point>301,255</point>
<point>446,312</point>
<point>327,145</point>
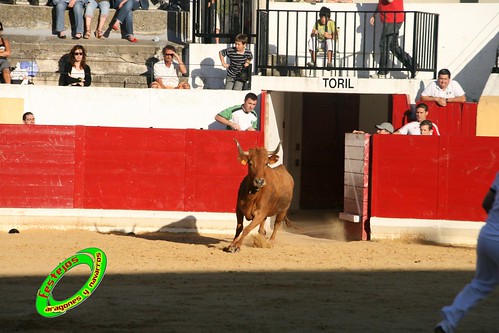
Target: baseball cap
<point>385,126</point>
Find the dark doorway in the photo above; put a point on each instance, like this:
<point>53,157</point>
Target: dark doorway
<point>326,119</point>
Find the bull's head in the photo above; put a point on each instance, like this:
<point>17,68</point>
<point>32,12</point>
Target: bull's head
<point>257,160</point>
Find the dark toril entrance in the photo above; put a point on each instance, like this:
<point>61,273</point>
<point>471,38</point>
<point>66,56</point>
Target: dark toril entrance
<point>326,119</point>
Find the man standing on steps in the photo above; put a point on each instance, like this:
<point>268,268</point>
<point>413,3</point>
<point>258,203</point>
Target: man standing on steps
<point>391,13</point>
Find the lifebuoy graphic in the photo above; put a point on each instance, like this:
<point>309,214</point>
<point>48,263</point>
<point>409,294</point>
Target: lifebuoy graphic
<point>93,257</point>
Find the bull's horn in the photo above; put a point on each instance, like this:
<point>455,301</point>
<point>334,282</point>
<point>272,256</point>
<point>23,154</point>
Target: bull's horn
<point>276,150</point>
<point>241,151</point>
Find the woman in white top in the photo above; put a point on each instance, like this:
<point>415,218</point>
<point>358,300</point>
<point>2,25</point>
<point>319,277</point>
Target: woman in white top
<point>76,72</point>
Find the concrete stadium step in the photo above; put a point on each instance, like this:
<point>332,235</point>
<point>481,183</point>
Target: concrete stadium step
<point>98,80</point>
<point>116,59</point>
<point>150,22</point>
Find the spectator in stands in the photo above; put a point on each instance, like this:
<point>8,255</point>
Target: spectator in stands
<point>60,8</point>
<point>125,17</point>
<point>426,127</point>
<point>28,118</point>
<point>166,71</point>
<point>4,53</point>
<point>92,5</point>
<point>383,128</point>
<point>486,276</point>
<point>76,71</point>
<point>239,61</point>
<point>220,15</point>
<point>390,35</point>
<point>240,117</point>
<point>321,38</point>
<point>444,90</point>
<point>412,128</point>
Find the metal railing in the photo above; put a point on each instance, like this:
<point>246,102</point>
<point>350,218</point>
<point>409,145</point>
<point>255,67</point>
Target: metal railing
<point>282,37</point>
<point>217,21</point>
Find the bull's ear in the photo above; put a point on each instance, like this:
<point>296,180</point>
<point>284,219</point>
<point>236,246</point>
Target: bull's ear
<point>273,159</point>
<point>243,159</point>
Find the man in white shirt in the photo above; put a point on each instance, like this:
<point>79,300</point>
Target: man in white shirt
<point>240,117</point>
<point>413,128</point>
<point>444,90</point>
<point>166,71</point>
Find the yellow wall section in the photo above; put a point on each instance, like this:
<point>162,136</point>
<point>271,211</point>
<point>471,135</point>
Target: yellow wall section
<point>487,123</point>
<point>11,110</point>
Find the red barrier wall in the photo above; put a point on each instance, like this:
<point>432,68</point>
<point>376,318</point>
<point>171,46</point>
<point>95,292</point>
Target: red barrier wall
<point>454,118</point>
<point>121,168</point>
<point>432,177</point>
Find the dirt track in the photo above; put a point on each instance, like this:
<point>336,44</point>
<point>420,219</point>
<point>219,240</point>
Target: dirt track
<point>186,283</point>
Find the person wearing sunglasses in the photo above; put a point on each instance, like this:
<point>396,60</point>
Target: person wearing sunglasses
<point>76,72</point>
<point>166,72</point>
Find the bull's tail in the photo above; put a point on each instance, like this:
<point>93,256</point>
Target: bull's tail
<point>289,224</point>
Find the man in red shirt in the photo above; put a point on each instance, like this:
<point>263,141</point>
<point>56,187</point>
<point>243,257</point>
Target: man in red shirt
<point>391,13</point>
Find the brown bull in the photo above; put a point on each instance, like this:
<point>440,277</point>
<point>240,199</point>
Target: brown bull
<point>264,192</point>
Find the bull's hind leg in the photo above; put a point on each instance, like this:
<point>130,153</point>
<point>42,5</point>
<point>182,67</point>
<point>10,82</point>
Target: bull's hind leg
<point>277,224</point>
<point>235,246</point>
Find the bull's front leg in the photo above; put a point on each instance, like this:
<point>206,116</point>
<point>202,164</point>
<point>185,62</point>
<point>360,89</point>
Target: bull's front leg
<point>235,246</point>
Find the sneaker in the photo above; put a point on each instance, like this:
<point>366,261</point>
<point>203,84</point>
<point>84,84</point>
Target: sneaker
<point>439,329</point>
<point>378,76</point>
<point>310,64</point>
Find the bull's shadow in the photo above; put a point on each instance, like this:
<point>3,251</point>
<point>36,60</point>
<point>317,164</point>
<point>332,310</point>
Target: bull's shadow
<point>188,233</point>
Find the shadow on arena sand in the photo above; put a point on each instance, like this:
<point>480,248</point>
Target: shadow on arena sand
<point>297,301</point>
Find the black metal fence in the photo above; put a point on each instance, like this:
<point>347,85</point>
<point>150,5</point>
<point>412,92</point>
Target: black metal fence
<point>282,43</point>
<point>217,21</point>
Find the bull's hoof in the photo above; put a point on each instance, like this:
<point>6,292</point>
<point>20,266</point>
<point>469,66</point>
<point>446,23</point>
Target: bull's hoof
<point>232,249</point>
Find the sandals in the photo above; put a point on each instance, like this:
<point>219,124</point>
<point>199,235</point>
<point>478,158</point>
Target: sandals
<point>86,35</point>
<point>132,39</point>
<point>77,36</point>
<point>61,35</point>
<point>116,26</point>
<point>99,35</point>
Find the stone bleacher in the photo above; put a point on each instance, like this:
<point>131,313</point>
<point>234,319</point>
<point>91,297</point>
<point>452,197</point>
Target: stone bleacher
<point>114,61</point>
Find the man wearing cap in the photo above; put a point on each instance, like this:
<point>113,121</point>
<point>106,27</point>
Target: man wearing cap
<point>383,128</point>
<point>412,128</point>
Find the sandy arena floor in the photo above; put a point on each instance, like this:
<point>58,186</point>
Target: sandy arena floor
<point>311,281</point>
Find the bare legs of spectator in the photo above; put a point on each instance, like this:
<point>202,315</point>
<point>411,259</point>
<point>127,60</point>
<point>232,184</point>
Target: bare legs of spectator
<point>89,14</point>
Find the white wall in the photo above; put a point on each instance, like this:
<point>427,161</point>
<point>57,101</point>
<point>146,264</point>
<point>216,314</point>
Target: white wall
<point>124,107</point>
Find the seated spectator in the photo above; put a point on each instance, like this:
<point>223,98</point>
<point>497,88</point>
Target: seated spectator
<point>383,128</point>
<point>323,33</point>
<point>444,90</point>
<point>412,128</point>
<point>92,5</point>
<point>76,71</point>
<point>28,118</point>
<point>4,53</point>
<point>60,8</point>
<point>124,18</point>
<point>166,71</point>
<point>426,127</point>
<point>240,117</point>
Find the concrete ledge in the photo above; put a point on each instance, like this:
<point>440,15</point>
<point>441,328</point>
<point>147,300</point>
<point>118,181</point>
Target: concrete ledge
<point>122,221</point>
<point>438,231</point>
<point>40,18</point>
